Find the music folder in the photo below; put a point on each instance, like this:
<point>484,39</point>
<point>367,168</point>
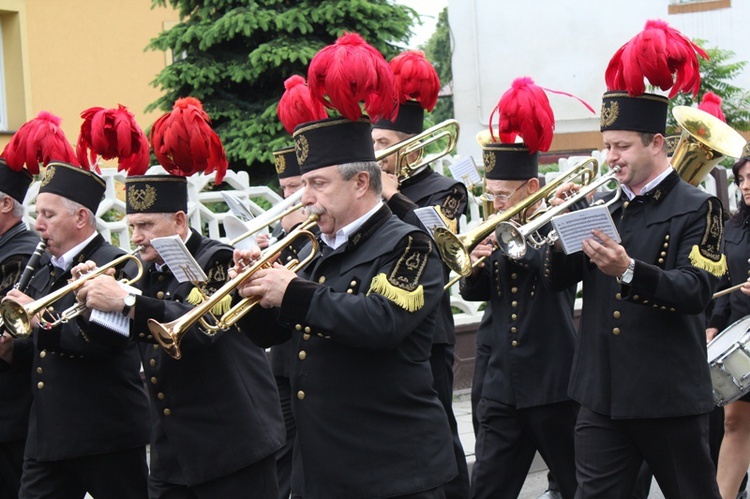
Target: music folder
<point>575,226</point>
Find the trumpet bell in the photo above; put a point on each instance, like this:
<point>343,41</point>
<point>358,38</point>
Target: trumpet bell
<point>17,321</point>
<point>511,240</point>
<point>167,337</point>
<point>705,140</point>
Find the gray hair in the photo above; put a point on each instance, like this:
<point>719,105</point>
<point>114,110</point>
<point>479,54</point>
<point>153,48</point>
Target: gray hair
<point>17,207</point>
<point>73,207</point>
<point>349,170</point>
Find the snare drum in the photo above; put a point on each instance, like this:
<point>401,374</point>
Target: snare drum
<point>729,362</point>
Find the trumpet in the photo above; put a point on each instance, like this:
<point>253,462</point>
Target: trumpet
<point>169,335</point>
<point>276,213</point>
<point>17,317</point>
<point>406,167</point>
<point>456,249</point>
<point>513,238</point>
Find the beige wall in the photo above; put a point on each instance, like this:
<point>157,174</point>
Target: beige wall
<point>76,54</point>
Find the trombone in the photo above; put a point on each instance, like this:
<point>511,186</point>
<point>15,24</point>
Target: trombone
<point>274,214</point>
<point>455,250</point>
<point>17,317</point>
<point>170,334</point>
<point>406,167</point>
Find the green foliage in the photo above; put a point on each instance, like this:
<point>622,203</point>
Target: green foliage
<point>717,74</point>
<point>439,51</point>
<point>234,56</point>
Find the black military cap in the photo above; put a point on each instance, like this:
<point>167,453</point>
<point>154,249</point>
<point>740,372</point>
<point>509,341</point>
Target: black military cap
<point>333,141</point>
<point>13,183</point>
<point>285,161</point>
<point>509,161</point>
<point>644,113</point>
<point>155,194</point>
<point>75,183</point>
<point>410,119</point>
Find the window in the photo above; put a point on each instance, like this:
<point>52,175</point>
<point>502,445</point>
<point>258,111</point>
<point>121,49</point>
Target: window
<point>686,6</point>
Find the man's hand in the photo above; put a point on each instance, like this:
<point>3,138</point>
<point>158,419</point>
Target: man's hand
<point>745,289</point>
<point>390,185</point>
<point>102,293</point>
<point>269,284</point>
<point>608,255</point>
<point>6,347</point>
<point>711,334</point>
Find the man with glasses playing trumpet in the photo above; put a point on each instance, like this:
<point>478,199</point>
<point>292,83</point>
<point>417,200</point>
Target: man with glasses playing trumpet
<point>409,183</point>
<point>528,344</point>
<point>88,426</point>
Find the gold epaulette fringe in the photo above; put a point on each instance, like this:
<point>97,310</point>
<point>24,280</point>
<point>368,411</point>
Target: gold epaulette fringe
<point>408,300</point>
<point>223,306</point>
<point>195,297</point>
<point>716,268</point>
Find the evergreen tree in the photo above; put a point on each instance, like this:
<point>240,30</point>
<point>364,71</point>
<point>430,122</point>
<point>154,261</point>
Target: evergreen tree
<point>234,56</point>
<point>717,74</point>
<point>439,52</point>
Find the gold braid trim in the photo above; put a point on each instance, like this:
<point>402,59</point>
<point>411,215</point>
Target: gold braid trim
<point>408,300</point>
<point>196,297</point>
<point>716,268</point>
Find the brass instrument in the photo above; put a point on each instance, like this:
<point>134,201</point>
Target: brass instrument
<point>274,214</point>
<point>28,271</point>
<point>456,249</point>
<point>406,167</point>
<point>17,317</point>
<point>169,335</point>
<point>514,238</point>
<point>705,140</point>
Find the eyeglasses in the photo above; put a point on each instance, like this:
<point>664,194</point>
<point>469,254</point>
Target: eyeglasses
<point>488,196</point>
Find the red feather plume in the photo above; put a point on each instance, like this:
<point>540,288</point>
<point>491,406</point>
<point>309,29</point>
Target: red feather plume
<point>113,133</point>
<point>711,103</point>
<point>349,71</point>
<point>39,140</point>
<point>297,105</point>
<point>524,111</point>
<point>662,55</point>
<point>416,79</point>
<point>184,142</point>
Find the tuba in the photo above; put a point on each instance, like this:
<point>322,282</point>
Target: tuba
<point>17,317</point>
<point>169,335</point>
<point>705,140</point>
<point>406,167</point>
<point>456,249</point>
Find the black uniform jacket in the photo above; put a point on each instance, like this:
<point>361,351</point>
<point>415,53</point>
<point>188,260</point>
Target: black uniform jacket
<point>88,396</point>
<point>641,351</point>
<point>532,336</point>
<point>15,389</point>
<point>369,423</point>
<point>216,410</point>
<point>428,188</point>
<point>734,306</point>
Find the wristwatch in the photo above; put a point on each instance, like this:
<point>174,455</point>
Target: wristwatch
<point>129,301</point>
<point>627,276</point>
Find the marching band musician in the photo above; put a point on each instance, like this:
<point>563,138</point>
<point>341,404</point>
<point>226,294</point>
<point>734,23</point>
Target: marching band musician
<point>418,85</point>
<point>523,405</point>
<point>734,456</point>
<point>215,414</point>
<point>88,426</point>
<point>17,243</point>
<point>361,314</point>
<point>639,370</point>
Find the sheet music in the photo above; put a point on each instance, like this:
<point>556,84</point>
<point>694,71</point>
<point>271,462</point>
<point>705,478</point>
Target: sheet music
<point>115,321</point>
<point>466,171</point>
<point>575,226</point>
<point>236,206</point>
<point>429,218</point>
<point>176,255</point>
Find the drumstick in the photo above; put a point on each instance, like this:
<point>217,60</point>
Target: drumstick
<point>727,291</point>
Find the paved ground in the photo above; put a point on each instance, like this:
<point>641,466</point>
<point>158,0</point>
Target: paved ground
<point>536,481</point>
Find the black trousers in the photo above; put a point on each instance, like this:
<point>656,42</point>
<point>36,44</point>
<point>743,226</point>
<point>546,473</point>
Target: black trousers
<point>508,439</point>
<point>284,455</point>
<point>11,463</point>
<point>609,454</point>
<point>257,481</point>
<point>114,475</point>
<point>441,362</point>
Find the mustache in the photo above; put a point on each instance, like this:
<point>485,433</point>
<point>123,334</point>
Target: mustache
<point>314,210</point>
